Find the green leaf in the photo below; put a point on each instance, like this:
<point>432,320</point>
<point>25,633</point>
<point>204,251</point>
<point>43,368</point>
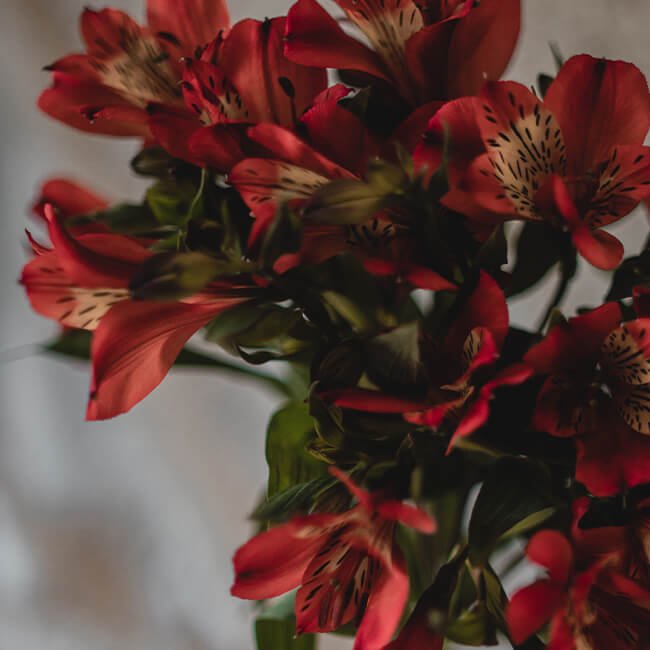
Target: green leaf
<point>544,82</point>
<point>274,322</point>
<point>75,344</point>
<point>298,499</point>
<point>350,201</point>
<point>473,627</point>
<point>341,367</point>
<point>170,201</point>
<point>393,359</point>
<point>539,248</point>
<point>273,634</point>
<point>154,162</point>
<point>288,434</point>
<point>125,218</point>
<point>515,497</point>
<point>282,237</point>
<point>172,276</point>
<point>233,321</point>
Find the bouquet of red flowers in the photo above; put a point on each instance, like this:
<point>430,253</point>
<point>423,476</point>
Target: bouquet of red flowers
<point>359,205</point>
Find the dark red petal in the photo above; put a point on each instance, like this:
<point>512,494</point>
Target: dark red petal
<point>285,145</point>
<point>274,562</point>
<point>423,278</point>
<point>100,260</point>
<point>598,247</point>
<point>314,38</point>
<point>220,146</point>
<point>594,101</point>
<point>418,631</point>
<point>482,45</point>
<point>408,515</point>
<point>411,131</point>
<point>479,410</point>
<point>135,346</point>
<point>371,401</point>
<point>103,31</point>
<point>385,605</point>
<point>486,307</point>
<point>273,88</point>
<point>531,607</point>
<point>642,301</point>
<point>624,181</point>
<point>612,458</point>
<point>427,54</point>
<point>173,131</point>
<point>483,193</point>
<point>337,133</point>
<point>552,550</point>
<point>68,97</point>
<point>569,345</point>
<point>191,22</point>
<point>459,119</point>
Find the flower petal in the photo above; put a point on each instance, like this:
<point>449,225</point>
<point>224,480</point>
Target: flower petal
<point>594,100</point>
<point>385,605</point>
<point>69,198</point>
<point>524,143</point>
<point>135,346</point>
<point>98,260</point>
<point>273,88</point>
<point>314,38</point>
<point>408,515</point>
<point>192,23</point>
<point>482,45</point>
<point>552,550</point>
<point>531,607</point>
<point>68,97</point>
<point>273,562</point>
<point>626,352</point>
<point>337,133</point>
<point>576,343</point>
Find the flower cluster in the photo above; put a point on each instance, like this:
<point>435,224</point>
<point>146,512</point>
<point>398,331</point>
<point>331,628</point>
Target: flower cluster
<point>341,201</point>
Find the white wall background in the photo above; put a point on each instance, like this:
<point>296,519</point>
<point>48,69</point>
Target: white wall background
<point>119,535</point>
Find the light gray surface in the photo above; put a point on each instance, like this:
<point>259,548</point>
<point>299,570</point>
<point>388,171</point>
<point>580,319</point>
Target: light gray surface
<point>119,535</point>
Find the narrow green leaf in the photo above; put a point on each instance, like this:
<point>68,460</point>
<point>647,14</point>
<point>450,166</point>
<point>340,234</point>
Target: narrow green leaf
<point>281,635</point>
<point>288,434</point>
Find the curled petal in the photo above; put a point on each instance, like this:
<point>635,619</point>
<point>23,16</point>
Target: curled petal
<point>552,550</point>
<point>531,607</point>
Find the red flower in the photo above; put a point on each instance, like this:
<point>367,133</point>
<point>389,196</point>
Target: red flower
<point>348,566</point>
<point>127,66</point>
<point>468,43</point>
<point>575,159</point>
<point>459,394</point>
<point>83,283</point>
<point>598,388</point>
<point>597,608</point>
<point>241,78</point>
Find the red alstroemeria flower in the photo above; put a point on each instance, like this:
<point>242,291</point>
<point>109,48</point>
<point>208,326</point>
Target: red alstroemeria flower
<point>127,66</point>
<point>240,78</point>
<point>459,394</point>
<point>575,159</point>
<point>336,146</point>
<point>596,608</point>
<point>83,283</point>
<point>598,389</point>
<point>468,43</point>
<point>348,566</point>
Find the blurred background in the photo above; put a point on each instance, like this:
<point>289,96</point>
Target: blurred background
<point>119,534</point>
